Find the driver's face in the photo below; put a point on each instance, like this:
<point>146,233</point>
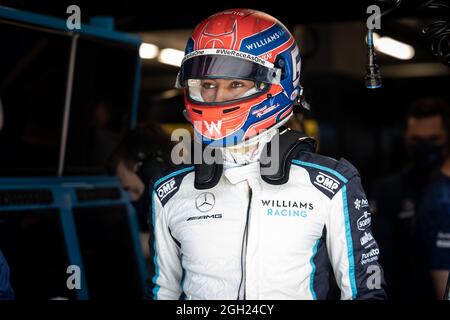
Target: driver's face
<point>220,90</point>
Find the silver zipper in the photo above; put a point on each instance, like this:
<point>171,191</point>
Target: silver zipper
<point>244,247</point>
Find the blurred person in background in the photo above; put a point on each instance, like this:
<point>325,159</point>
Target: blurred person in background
<point>142,156</point>
<point>434,226</point>
<point>396,198</point>
<point>6,291</point>
<point>106,125</point>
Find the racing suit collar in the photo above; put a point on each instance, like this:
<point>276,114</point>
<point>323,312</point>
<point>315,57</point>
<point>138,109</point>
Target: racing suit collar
<point>247,153</point>
<point>238,174</point>
<point>240,166</point>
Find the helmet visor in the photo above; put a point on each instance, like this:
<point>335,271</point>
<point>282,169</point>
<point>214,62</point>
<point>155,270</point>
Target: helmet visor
<point>216,91</point>
<point>226,67</point>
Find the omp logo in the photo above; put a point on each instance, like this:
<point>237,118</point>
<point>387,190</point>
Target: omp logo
<point>367,237</point>
<point>212,216</point>
<point>212,126</point>
<point>364,221</point>
<point>166,189</point>
<point>326,182</point>
<point>361,203</point>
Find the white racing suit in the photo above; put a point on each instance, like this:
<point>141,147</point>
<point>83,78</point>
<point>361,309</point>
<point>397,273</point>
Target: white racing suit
<point>247,239</point>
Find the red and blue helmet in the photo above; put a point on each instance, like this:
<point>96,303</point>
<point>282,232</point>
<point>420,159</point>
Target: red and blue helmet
<point>240,44</point>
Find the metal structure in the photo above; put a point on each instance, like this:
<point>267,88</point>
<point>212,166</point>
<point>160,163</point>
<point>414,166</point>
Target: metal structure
<point>23,194</point>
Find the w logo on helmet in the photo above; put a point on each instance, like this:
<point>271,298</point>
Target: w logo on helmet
<point>214,128</point>
<point>214,36</point>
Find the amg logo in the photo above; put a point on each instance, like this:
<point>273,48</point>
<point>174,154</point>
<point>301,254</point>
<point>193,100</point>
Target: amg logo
<point>208,216</point>
<point>326,182</point>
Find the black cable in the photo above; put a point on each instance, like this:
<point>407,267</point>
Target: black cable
<point>438,31</point>
<point>393,4</point>
<point>373,75</point>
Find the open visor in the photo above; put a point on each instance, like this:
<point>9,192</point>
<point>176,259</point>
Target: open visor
<point>226,67</point>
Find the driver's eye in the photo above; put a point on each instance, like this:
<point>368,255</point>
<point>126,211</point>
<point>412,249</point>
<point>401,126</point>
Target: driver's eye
<point>208,85</point>
<point>236,84</point>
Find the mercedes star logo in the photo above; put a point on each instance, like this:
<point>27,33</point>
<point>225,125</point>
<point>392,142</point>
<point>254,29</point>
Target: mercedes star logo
<point>215,43</point>
<point>205,202</point>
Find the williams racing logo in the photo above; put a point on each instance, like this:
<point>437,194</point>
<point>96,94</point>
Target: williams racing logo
<point>287,208</point>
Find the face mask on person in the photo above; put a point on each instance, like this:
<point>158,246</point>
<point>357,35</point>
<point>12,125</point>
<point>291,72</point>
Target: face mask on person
<point>426,156</point>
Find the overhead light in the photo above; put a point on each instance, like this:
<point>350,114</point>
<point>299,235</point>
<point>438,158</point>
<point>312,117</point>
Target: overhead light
<point>171,56</point>
<point>393,47</point>
<point>148,51</point>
